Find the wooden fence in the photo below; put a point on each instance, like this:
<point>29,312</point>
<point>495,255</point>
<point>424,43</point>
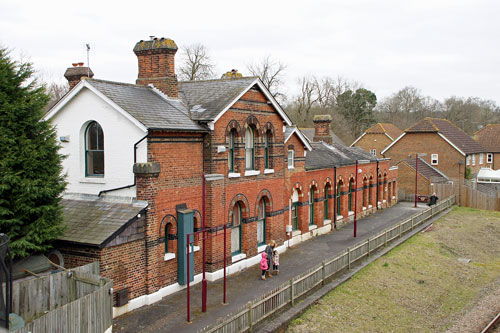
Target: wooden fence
<point>288,293</point>
<point>76,300</point>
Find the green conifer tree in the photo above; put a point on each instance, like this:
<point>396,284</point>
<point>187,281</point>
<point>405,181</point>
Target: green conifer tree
<point>31,181</point>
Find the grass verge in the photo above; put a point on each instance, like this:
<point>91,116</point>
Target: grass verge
<point>420,285</point>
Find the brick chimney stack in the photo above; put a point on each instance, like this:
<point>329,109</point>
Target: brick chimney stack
<point>157,65</point>
<point>322,128</point>
<point>76,73</point>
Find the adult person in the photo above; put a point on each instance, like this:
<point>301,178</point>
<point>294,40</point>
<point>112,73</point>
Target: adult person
<point>269,252</point>
<point>433,199</point>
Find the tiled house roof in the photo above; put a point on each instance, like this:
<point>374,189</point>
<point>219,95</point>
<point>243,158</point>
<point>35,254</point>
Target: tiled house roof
<point>147,106</point>
<point>382,128</point>
<point>324,156</point>
<point>489,138</point>
<point>453,134</point>
<point>95,221</point>
<point>427,170</point>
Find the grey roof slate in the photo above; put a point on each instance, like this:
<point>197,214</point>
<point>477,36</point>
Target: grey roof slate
<point>206,99</point>
<point>94,220</point>
<point>426,170</point>
<point>148,106</point>
<point>325,156</point>
<point>309,133</point>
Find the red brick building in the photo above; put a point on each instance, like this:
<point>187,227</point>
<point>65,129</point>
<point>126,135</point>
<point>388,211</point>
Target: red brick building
<point>489,138</point>
<point>447,147</point>
<point>175,154</point>
<point>426,177</point>
<point>377,138</point>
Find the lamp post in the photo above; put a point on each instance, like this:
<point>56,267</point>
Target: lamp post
<point>416,175</point>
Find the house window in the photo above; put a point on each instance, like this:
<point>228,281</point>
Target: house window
<point>249,149</point>
<point>434,159</point>
<point>467,160</point>
<point>267,163</point>
<point>351,190</point>
<point>236,230</point>
<point>94,150</point>
<point>291,154</point>
<point>489,158</point>
<point>339,201</point>
<point>481,158</point>
<point>473,159</point>
<point>295,210</point>
<point>230,156</point>
<point>261,223</point>
<point>168,230</point>
<point>373,152</point>
<point>311,207</point>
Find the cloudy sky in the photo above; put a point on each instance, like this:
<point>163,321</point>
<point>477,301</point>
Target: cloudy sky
<point>443,47</point>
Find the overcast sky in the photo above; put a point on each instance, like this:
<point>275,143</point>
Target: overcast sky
<point>444,48</point>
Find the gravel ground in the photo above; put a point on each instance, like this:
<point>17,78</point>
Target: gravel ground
<point>481,311</point>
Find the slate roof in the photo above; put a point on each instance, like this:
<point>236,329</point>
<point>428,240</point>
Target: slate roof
<point>92,220</point>
<point>382,128</point>
<point>206,99</point>
<point>455,135</point>
<point>325,156</point>
<point>309,133</point>
<point>427,170</point>
<point>147,105</point>
<point>489,138</point>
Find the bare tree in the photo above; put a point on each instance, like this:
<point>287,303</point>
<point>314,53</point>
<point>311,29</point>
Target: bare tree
<point>56,91</point>
<point>271,73</point>
<point>196,63</point>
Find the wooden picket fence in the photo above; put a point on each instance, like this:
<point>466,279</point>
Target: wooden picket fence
<point>469,196</point>
<point>76,300</point>
<point>287,294</point>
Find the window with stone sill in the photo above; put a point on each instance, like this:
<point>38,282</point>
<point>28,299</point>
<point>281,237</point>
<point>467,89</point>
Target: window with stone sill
<point>249,148</point>
<point>291,155</point>
<point>434,159</point>
<point>489,158</point>
<point>94,150</point>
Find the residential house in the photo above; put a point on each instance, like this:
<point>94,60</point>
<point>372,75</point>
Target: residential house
<point>446,147</point>
<point>489,138</point>
<point>377,138</point>
<point>154,165</point>
<point>424,174</point>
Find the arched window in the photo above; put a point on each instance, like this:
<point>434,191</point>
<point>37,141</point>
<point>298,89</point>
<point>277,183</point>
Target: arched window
<point>327,190</point>
<point>261,223</point>
<point>168,237</point>
<point>311,206</point>
<point>230,155</point>
<point>370,186</point>
<point>249,149</point>
<point>94,150</point>
<point>236,229</point>
<point>295,210</point>
<point>351,189</point>
<point>267,145</point>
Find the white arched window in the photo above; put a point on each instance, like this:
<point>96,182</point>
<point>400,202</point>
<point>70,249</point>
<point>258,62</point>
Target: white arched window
<point>230,155</point>
<point>94,150</point>
<point>249,149</point>
<point>236,230</point>
<point>261,223</point>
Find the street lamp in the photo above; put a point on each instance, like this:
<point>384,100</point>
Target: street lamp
<point>416,174</point>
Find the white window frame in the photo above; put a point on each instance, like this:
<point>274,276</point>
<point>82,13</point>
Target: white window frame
<point>489,158</point>
<point>473,159</point>
<point>373,152</point>
<point>467,160</point>
<point>291,160</point>
<point>434,159</point>
<point>481,158</point>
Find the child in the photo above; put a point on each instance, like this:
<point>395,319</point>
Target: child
<point>276,262</point>
<point>263,265</point>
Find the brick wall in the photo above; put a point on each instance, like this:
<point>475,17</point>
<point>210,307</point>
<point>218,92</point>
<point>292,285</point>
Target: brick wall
<point>406,181</point>
<point>374,141</point>
<point>429,143</point>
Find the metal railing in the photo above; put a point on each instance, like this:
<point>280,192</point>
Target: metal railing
<point>286,295</point>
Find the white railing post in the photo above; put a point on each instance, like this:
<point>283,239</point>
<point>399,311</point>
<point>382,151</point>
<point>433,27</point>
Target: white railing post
<point>250,324</point>
<point>412,222</point>
<point>385,238</point>
<point>292,296</point>
<point>323,273</point>
<point>368,246</point>
<point>348,258</point>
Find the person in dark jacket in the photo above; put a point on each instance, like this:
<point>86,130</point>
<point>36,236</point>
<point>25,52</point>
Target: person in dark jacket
<point>269,252</point>
<point>433,199</point>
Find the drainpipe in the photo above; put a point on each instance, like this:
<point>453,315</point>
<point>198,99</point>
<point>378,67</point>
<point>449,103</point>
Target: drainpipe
<point>335,197</point>
<point>135,161</point>
<point>377,185</point>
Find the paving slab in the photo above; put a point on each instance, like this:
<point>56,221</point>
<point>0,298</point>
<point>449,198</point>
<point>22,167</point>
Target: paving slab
<point>169,314</point>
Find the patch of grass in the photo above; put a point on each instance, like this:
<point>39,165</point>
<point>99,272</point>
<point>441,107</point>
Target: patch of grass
<point>419,285</point>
